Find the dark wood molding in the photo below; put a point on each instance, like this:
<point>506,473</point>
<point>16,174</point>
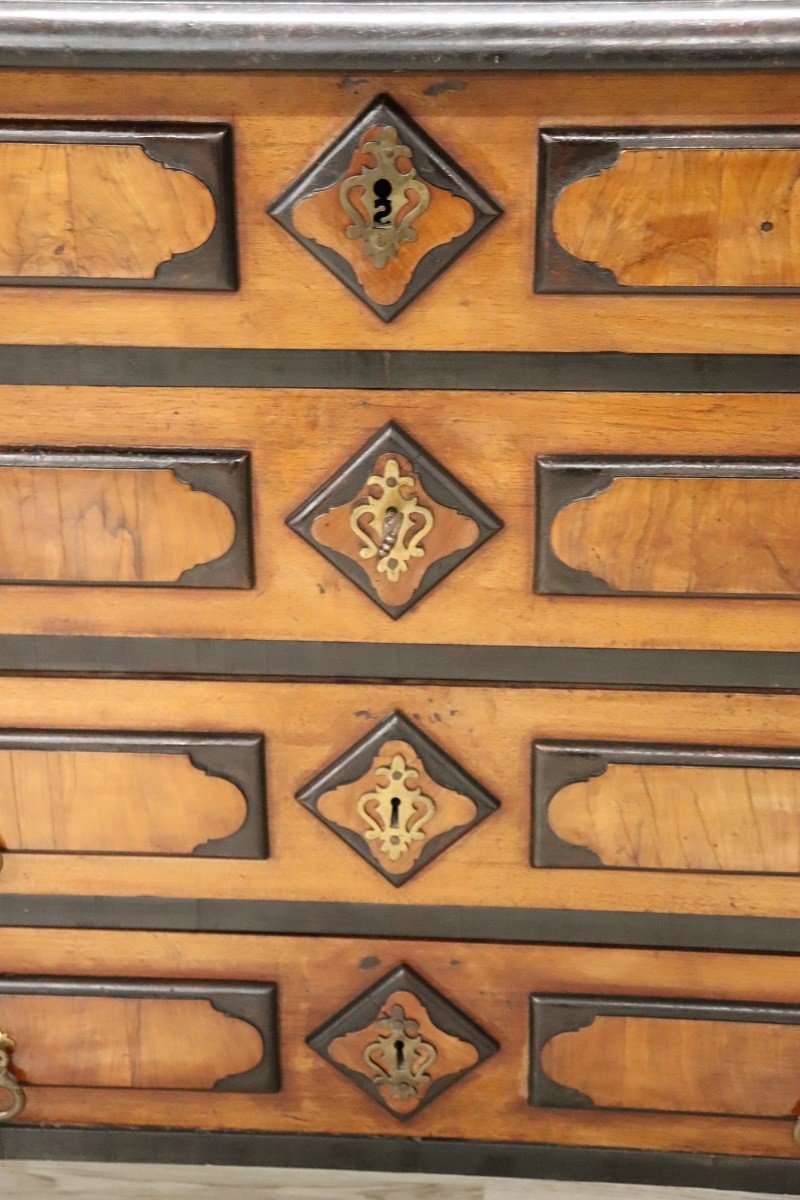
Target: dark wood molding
<point>202,150</point>
<point>252,1002</point>
<point>354,764</point>
<point>556,765</point>
<point>351,479</point>
<point>236,757</point>
<point>567,155</point>
<point>383,35</point>
<point>561,480</point>
<point>551,1015</point>
<point>224,474</point>
<point>549,926</point>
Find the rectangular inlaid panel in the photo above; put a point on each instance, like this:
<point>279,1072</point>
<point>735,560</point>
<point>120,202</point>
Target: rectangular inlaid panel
<point>116,205</point>
<point>669,527</point>
<point>141,1034</point>
<point>132,519</point>
<point>666,808</point>
<point>476,154</point>
<point>331,987</point>
<point>457,761</point>
<point>645,1056</point>
<point>124,793</point>
<point>668,210</point>
<point>472,458</point>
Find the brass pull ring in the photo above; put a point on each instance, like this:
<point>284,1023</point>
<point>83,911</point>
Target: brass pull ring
<point>8,1082</point>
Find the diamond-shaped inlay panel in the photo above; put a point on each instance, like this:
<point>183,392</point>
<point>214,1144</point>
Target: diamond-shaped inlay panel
<point>385,209</point>
<point>394,521</point>
<point>403,1043</point>
<point>397,799</point>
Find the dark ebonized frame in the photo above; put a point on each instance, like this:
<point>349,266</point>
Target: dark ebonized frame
<point>366,1008</point>
<point>237,757</point>
<point>345,485</point>
<point>567,155</point>
<point>558,764</point>
<point>552,1015</point>
<point>252,1002</point>
<point>354,764</point>
<point>202,150</point>
<point>562,480</point>
<point>432,164</point>
<point>224,474</point>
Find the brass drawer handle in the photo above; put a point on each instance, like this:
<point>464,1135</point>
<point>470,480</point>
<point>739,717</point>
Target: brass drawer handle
<point>8,1082</point>
<point>797,1131</point>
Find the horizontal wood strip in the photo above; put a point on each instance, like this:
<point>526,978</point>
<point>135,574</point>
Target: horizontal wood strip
<point>683,818</point>
<point>72,801</point>
<point>680,1065</point>
<point>687,536</point>
<point>94,1042</point>
<point>316,977</point>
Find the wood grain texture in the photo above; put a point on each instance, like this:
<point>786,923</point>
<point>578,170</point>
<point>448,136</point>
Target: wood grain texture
<point>488,441</point>
<point>95,212</point>
<point>674,218</point>
<point>71,525</point>
<point>684,818</point>
<point>94,1042</point>
<point>77,801</point>
<point>489,732</point>
<point>317,977</point>
<point>680,1065</point>
<point>688,536</point>
<point>282,122</point>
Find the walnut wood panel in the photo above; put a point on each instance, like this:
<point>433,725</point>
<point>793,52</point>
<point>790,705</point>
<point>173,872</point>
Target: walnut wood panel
<point>693,1058</point>
<point>667,808</point>
<point>673,535</point>
<point>116,205</point>
<point>109,518</point>
<point>670,210</point>
<point>487,441</point>
<point>70,793</point>
<point>317,977</point>
<point>112,1033</point>
<point>490,124</point>
<point>487,732</point>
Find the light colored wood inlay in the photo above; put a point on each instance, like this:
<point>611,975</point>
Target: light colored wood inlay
<point>72,801</point>
<point>94,1042</point>
<point>737,1067</point>
<point>723,536</point>
<point>106,526</point>
<point>684,818</point>
<point>95,212</point>
<point>688,218</point>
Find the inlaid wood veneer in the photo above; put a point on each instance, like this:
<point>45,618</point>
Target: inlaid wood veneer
<point>682,527</point>
<point>669,210</point>
<point>143,794</point>
<point>116,205</point>
<point>650,1056</point>
<point>666,808</point>
<point>127,518</point>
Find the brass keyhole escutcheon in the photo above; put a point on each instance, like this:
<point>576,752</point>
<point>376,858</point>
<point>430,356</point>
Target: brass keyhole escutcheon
<point>8,1082</point>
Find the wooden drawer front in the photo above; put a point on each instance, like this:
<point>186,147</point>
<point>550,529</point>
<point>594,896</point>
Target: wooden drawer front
<point>140,1034</point>
<point>163,794</point>
<point>645,1056</point>
<point>680,527</point>
<point>668,210</point>
<point>113,205</point>
<point>666,808</point>
<point>140,519</point>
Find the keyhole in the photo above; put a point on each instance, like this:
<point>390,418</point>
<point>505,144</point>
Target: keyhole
<point>382,208</point>
<point>394,820</point>
<point>399,1050</point>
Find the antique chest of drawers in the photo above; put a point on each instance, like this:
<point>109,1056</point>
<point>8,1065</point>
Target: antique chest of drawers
<point>400,586</point>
